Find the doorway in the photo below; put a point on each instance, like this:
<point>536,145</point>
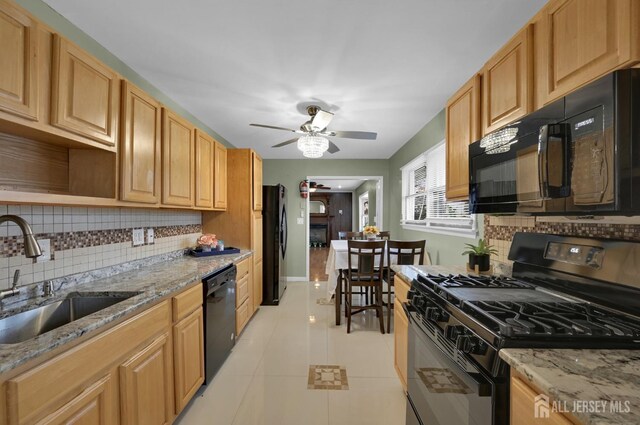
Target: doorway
<point>336,204</point>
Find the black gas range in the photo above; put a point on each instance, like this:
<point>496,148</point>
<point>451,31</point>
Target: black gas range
<point>565,292</point>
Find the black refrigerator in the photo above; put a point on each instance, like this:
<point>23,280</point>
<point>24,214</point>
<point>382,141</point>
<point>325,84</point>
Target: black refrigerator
<point>274,248</point>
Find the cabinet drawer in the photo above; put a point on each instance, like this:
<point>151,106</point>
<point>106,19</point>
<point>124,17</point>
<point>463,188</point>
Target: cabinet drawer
<point>242,316</point>
<point>242,290</point>
<point>60,379</point>
<point>401,288</point>
<point>186,302</point>
<point>243,267</point>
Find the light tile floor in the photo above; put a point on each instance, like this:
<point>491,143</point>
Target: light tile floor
<point>264,381</point>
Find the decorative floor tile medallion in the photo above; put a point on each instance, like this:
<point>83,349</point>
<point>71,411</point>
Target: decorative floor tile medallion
<point>327,377</point>
<point>442,381</point>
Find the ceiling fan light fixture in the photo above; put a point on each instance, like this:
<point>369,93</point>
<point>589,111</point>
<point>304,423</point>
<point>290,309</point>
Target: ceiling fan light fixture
<point>313,146</point>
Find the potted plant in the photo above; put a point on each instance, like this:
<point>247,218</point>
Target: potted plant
<point>480,255</point>
<point>370,232</point>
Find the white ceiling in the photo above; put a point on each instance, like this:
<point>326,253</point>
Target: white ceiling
<point>379,65</point>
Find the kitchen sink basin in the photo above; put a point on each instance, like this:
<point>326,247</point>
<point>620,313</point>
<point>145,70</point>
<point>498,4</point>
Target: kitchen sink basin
<point>31,323</point>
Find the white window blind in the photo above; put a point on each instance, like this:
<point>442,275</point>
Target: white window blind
<point>424,202</point>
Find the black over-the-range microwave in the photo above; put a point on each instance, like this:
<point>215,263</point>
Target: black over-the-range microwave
<point>579,155</point>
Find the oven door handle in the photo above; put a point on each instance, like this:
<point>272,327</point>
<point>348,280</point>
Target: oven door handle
<point>558,159</point>
<point>483,387</point>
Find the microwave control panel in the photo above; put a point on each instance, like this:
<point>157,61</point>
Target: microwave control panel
<point>580,255</point>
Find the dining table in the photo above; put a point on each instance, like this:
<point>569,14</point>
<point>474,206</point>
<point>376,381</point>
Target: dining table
<point>338,265</point>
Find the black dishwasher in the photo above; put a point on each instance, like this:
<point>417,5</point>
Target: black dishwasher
<point>219,318</point>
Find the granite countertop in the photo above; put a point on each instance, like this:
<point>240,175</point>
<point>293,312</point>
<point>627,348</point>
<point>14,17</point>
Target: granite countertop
<point>575,377</point>
<point>409,273</point>
<point>151,283</point>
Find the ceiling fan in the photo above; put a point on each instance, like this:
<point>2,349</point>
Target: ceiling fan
<point>313,142</point>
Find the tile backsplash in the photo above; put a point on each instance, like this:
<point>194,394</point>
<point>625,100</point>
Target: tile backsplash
<point>499,230</point>
<point>84,239</point>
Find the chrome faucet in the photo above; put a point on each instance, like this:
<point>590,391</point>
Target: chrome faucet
<point>31,247</point>
<point>14,288</point>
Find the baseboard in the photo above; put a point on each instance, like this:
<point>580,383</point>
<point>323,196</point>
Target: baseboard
<point>297,279</point>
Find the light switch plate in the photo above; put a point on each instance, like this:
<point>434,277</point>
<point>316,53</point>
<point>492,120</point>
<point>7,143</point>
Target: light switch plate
<point>150,235</point>
<point>45,247</point>
<point>300,220</point>
<point>138,237</point>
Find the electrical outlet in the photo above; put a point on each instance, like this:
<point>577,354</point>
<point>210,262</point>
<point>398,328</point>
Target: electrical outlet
<point>138,237</point>
<point>300,220</point>
<point>302,214</point>
<point>150,235</point>
<point>45,247</point>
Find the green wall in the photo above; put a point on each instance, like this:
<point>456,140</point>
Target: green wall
<point>290,172</point>
<point>443,249</point>
<point>63,26</point>
<point>371,187</point>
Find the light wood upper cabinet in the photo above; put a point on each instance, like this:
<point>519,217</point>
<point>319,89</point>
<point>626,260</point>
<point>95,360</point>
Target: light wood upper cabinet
<point>18,63</point>
<point>462,129</point>
<point>188,357</point>
<point>177,160</point>
<point>140,149</point>
<point>257,181</point>
<point>507,78</point>
<point>146,385</point>
<point>93,406</point>
<point>580,40</point>
<point>204,170</point>
<point>85,93</point>
<point>220,177</point>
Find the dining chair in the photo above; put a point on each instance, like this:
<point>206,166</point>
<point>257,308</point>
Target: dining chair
<point>342,235</point>
<point>363,258</point>
<point>401,253</point>
<point>386,235</point>
<point>354,235</point>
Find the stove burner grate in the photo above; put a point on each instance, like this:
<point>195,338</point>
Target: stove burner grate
<point>515,319</point>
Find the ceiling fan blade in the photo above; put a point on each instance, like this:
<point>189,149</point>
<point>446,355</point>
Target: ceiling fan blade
<point>333,148</point>
<point>288,142</point>
<point>275,128</point>
<point>321,120</point>
<point>363,135</point>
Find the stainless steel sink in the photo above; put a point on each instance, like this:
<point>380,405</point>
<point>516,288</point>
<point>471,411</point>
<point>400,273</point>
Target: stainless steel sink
<point>31,323</point>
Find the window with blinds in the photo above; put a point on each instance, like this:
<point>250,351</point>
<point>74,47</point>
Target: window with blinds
<point>425,206</point>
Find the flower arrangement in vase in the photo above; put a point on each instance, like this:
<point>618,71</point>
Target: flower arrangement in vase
<point>207,241</point>
<point>370,232</point>
<point>480,255</point>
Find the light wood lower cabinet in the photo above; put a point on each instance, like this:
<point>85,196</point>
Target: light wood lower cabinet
<point>257,285</point>
<point>523,407</point>
<point>400,335</point>
<point>93,406</point>
<point>245,293</point>
<point>188,357</point>
<point>146,385</point>
<point>400,330</point>
<point>142,371</point>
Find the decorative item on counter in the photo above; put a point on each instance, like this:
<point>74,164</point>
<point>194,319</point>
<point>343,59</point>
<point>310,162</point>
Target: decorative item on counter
<point>479,256</point>
<point>371,232</point>
<point>220,245</point>
<point>207,241</point>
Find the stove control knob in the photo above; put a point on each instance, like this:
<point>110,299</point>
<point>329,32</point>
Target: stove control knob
<point>418,302</point>
<point>435,314</point>
<point>469,344</point>
<point>452,332</point>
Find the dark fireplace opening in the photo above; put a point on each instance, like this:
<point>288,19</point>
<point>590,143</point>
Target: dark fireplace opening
<point>318,235</point>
